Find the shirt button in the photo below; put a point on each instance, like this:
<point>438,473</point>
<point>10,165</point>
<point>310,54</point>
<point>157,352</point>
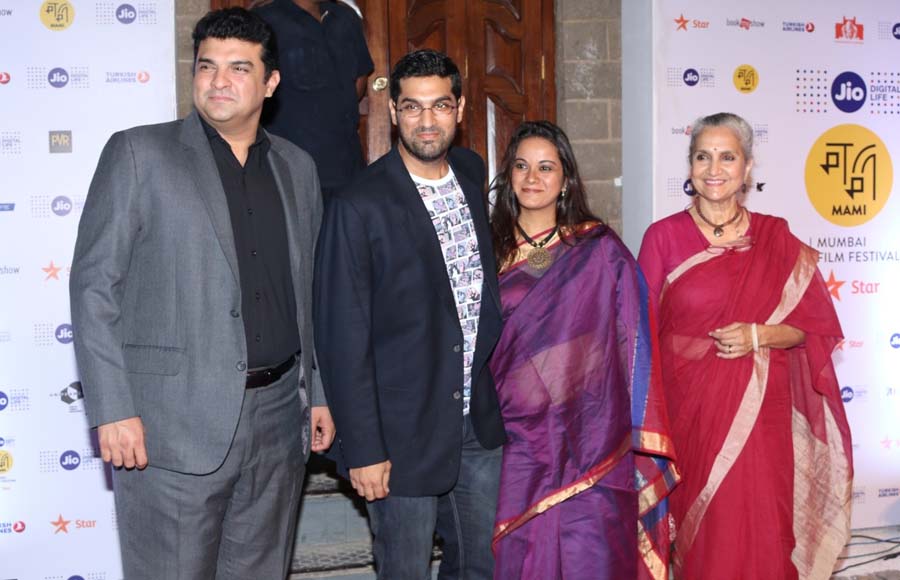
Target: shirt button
<point>253,253</point>
<point>241,366</point>
<point>456,348</point>
<point>258,338</point>
<point>457,395</point>
<point>257,295</point>
<point>249,211</point>
<point>235,314</point>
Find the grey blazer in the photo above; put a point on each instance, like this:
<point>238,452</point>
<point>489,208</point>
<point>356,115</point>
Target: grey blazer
<point>155,293</point>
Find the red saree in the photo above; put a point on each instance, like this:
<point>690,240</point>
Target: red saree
<point>762,441</point>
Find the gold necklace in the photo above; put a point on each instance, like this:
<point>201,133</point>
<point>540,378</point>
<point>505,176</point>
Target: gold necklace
<point>539,257</point>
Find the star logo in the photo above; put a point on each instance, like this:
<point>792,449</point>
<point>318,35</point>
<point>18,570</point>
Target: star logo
<point>681,21</point>
<point>52,271</point>
<point>834,285</point>
<point>61,525</point>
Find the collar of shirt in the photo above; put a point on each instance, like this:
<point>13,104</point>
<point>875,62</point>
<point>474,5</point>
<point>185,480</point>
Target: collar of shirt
<point>262,139</point>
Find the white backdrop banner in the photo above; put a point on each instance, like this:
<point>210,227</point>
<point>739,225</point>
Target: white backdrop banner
<point>72,72</point>
<point>820,84</point>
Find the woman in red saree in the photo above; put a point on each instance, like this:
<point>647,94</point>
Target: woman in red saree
<point>746,331</point>
<point>587,465</point>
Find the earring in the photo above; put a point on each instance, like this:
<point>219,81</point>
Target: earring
<point>562,194</point>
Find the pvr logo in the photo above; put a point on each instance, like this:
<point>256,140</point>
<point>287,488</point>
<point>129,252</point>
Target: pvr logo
<point>691,77</point>
<point>126,14</point>
<point>69,460</point>
<point>60,141</point>
<point>849,175</point>
<point>848,91</point>
<point>65,334</point>
<point>4,78</point>
<point>58,78</point>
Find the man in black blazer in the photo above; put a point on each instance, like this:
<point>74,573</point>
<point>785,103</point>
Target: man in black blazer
<point>407,312</point>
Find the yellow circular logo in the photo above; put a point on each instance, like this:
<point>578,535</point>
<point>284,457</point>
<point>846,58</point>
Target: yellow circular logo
<point>57,14</point>
<point>746,79</point>
<point>849,175</point>
<point>6,461</point>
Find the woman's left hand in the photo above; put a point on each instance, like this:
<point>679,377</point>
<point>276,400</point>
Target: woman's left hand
<point>733,341</point>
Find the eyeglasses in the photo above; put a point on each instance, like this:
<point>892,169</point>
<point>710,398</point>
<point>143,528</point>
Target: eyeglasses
<point>415,110</point>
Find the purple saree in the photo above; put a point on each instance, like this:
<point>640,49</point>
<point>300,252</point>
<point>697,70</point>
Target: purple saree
<point>588,464</point>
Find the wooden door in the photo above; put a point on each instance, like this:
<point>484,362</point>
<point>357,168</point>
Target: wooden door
<point>504,49</point>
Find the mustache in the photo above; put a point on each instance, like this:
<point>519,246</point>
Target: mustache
<point>434,129</point>
<point>214,93</point>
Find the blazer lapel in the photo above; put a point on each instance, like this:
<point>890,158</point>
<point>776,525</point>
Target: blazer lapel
<point>421,229</point>
<point>203,169</point>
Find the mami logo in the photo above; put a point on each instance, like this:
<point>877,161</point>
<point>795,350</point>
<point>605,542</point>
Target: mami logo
<point>57,14</point>
<point>849,175</point>
<point>746,79</point>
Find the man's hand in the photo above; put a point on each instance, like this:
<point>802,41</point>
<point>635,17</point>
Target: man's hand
<point>122,443</point>
<point>371,481</point>
<point>322,428</point>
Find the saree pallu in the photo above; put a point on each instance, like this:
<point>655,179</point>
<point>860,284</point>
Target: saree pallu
<point>763,443</point>
<point>588,463</point>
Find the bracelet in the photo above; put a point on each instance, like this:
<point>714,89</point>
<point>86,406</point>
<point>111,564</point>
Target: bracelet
<point>755,336</point>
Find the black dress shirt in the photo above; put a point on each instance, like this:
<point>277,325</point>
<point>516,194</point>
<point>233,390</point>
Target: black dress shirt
<point>260,239</point>
<point>316,106</point>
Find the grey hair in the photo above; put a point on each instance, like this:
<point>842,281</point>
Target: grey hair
<point>741,129</point>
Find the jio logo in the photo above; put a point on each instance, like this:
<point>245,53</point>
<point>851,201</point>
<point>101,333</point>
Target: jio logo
<point>847,394</point>
<point>688,187</point>
<point>896,31</point>
<point>69,460</point>
<point>848,91</point>
<point>691,77</point>
<point>4,400</point>
<point>126,14</point>
<point>61,205</point>
<point>58,78</point>
<point>64,333</point>
<point>895,343</point>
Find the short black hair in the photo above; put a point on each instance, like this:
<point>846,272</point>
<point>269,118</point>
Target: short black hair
<point>241,24</point>
<point>425,63</point>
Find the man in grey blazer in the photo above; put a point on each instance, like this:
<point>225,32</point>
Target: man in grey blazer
<point>191,300</point>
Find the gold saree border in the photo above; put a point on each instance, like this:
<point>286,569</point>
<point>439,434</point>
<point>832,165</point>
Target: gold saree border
<point>651,559</point>
<point>748,411</point>
<point>594,475</point>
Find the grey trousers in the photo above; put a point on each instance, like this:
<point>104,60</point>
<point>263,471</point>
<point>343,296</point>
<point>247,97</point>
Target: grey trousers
<point>235,523</point>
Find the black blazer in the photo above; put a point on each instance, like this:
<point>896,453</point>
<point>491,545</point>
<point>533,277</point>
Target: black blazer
<point>388,337</point>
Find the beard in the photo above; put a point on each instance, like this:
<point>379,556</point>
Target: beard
<point>431,151</point>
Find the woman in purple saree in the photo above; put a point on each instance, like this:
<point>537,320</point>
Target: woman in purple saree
<point>588,464</point>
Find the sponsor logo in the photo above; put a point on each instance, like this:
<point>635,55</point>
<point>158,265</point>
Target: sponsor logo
<point>849,175</point>
<point>60,141</point>
<point>9,270</point>
<point>58,78</point>
<point>682,23</point>
<point>64,334</point>
<point>72,393</point>
<point>744,23</point>
<point>862,287</point>
<point>10,527</point>
<point>62,525</point>
<point>895,31</point>
<point>51,271</point>
<point>127,78</point>
<point>4,78</point>
<point>126,14</point>
<point>746,79</point>
<point>4,400</point>
<point>57,14</point>
<point>6,12</point>
<point>69,460</point>
<point>6,461</point>
<point>847,394</point>
<point>10,143</point>
<point>61,205</point>
<point>889,492</point>
<point>859,495</point>
<point>884,92</point>
<point>848,91</point>
<point>794,26</point>
<point>895,340</point>
<point>688,187</point>
<point>848,30</point>
<point>834,285</point>
<point>7,207</point>
<point>690,77</point>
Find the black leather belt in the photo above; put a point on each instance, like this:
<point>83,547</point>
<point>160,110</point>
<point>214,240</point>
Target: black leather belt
<point>257,378</point>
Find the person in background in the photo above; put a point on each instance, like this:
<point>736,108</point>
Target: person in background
<point>588,462</point>
<point>407,314</point>
<point>324,67</point>
<point>746,332</point>
<point>191,296</point>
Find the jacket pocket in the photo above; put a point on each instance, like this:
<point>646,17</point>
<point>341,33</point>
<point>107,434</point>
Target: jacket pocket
<point>153,360</point>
